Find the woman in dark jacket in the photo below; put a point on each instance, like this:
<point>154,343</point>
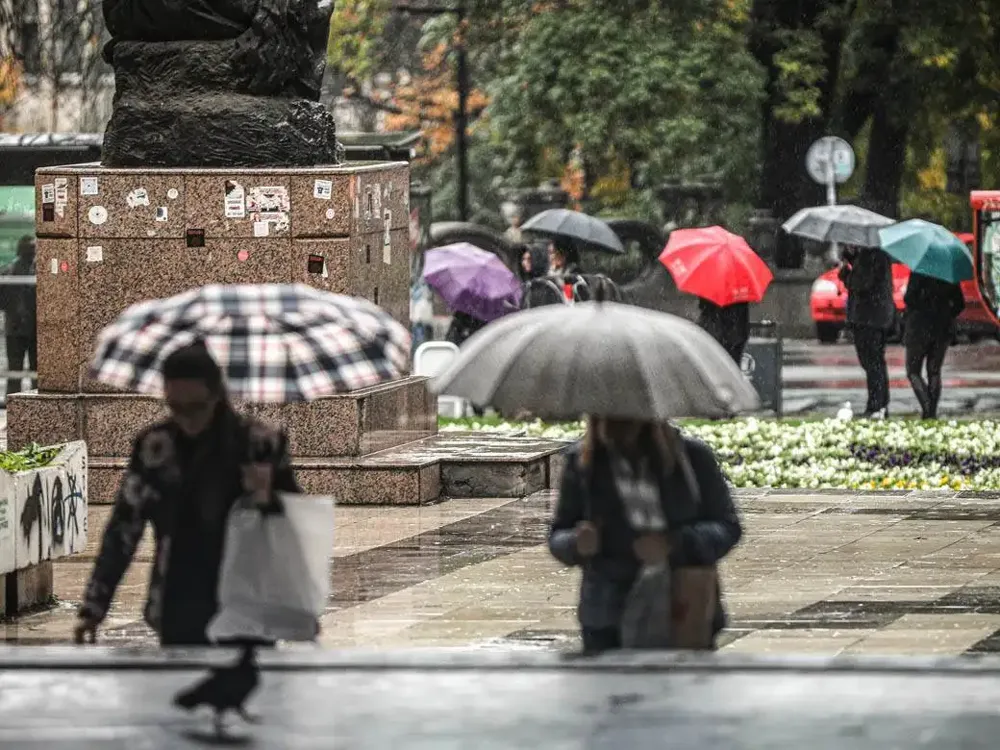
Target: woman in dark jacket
<point>932,306</point>
<point>633,492</point>
<point>729,325</point>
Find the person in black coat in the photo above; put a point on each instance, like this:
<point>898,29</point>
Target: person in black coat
<point>729,325</point>
<point>620,464</point>
<point>19,303</point>
<point>932,305</point>
<point>871,315</point>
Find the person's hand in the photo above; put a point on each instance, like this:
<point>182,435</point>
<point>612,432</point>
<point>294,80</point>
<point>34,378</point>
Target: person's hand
<point>85,630</point>
<point>652,548</point>
<point>588,540</point>
<point>257,482</point>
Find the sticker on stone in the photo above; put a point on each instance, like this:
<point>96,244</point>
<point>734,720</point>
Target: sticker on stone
<point>48,193</point>
<point>235,200</point>
<point>261,228</point>
<point>323,189</point>
<point>138,197</point>
<point>315,264</point>
<point>89,186</point>
<point>97,215</point>
<point>387,239</point>
<point>54,266</point>
<point>172,194</point>
<point>269,205</point>
<point>162,213</point>
<point>95,254</point>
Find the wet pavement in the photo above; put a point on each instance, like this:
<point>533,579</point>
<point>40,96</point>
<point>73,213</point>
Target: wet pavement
<point>441,701</point>
<point>818,379</point>
<point>830,573</point>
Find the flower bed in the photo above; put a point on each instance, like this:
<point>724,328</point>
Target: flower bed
<point>856,455</point>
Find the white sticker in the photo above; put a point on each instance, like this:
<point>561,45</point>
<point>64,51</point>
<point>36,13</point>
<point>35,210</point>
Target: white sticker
<point>161,213</point>
<point>323,189</point>
<point>325,274</point>
<point>172,194</point>
<point>62,195</point>
<point>48,193</point>
<point>387,240</point>
<point>138,197</point>
<point>261,228</point>
<point>95,254</point>
<point>54,266</point>
<point>235,200</point>
<point>369,203</point>
<point>330,213</point>
<point>377,196</point>
<point>357,206</point>
<point>89,186</point>
<point>62,182</point>
<point>97,215</point>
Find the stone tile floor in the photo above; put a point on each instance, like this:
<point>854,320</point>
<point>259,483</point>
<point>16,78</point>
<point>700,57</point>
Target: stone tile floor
<point>816,574</point>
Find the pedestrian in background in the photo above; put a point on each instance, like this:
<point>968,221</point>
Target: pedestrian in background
<point>871,315</point>
<point>19,304</point>
<point>638,494</point>
<point>729,325</point>
<point>932,306</point>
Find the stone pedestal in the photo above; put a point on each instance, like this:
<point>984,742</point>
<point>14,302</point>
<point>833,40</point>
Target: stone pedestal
<point>108,238</point>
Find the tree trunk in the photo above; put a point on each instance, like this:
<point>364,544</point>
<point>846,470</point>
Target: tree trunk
<point>887,149</point>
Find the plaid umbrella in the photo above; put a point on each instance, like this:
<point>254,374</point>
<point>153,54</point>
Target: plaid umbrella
<point>274,342</point>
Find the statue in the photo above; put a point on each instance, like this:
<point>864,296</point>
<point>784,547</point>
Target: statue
<point>218,83</point>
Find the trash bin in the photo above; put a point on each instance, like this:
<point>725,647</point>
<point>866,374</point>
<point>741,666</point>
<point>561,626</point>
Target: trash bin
<point>761,363</point>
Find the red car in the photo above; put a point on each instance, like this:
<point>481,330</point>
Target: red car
<point>828,304</point>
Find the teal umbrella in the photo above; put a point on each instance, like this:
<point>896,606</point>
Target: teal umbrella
<point>928,249</point>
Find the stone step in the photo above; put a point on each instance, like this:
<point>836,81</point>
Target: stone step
<point>450,464</point>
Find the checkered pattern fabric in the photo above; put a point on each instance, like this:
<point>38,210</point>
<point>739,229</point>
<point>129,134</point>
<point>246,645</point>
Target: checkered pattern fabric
<point>276,343</point>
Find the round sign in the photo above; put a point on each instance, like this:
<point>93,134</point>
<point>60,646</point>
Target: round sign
<point>97,215</point>
<point>747,364</point>
<point>827,153</point>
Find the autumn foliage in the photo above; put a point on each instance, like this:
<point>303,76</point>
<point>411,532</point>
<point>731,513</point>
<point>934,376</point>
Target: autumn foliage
<point>10,79</point>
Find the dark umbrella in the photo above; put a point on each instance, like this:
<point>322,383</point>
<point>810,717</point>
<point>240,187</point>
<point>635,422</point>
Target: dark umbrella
<point>579,228</point>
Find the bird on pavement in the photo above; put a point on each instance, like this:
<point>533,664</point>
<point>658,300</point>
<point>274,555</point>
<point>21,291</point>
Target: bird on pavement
<point>225,689</point>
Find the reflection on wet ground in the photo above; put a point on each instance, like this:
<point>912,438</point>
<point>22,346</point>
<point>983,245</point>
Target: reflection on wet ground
<point>821,573</point>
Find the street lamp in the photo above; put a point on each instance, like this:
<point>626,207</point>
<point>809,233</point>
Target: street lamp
<point>462,115</point>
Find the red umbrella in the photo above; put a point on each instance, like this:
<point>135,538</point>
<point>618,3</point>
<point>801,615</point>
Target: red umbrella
<point>716,265</point>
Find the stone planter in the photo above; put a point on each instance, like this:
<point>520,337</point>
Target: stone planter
<point>43,516</point>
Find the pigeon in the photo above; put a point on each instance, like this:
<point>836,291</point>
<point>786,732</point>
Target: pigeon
<point>225,689</point>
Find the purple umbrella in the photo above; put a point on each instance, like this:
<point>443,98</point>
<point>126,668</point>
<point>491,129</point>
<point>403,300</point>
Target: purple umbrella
<point>472,281</point>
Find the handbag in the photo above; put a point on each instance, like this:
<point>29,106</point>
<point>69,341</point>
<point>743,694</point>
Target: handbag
<point>274,580</point>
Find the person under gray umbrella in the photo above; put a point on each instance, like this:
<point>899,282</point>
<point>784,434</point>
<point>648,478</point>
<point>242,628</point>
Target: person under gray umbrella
<point>637,494</point>
<point>871,314</point>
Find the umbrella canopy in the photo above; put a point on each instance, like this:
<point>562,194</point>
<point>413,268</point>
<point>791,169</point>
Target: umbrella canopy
<point>928,249</point>
<point>716,265</point>
<point>472,281</point>
<point>847,225</point>
<point>601,359</point>
<point>577,227</point>
<point>274,342</point>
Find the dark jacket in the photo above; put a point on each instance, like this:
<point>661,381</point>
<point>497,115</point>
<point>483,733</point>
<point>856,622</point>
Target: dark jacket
<point>932,303</point>
<point>19,303</point>
<point>155,489</point>
<point>462,327</point>
<point>868,278</point>
<point>729,325</point>
<point>701,532</point>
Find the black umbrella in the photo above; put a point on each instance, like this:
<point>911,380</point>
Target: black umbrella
<point>579,228</point>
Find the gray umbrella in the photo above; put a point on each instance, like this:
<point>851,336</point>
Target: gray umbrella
<point>846,225</point>
<point>601,359</point>
<point>580,228</point>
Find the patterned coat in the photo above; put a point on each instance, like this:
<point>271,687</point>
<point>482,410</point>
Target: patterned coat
<point>149,492</point>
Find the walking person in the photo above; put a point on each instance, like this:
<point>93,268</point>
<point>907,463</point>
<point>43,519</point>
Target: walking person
<point>871,315</point>
<point>638,494</point>
<point>19,304</point>
<point>184,476</point>
<point>729,325</point>
<point>932,306</point>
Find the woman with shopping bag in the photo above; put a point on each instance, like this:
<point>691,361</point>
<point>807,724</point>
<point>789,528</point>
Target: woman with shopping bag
<point>648,515</point>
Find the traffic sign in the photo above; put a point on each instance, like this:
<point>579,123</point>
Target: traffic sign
<point>830,157</point>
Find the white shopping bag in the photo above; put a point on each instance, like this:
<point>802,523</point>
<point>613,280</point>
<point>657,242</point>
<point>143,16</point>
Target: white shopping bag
<point>275,576</point>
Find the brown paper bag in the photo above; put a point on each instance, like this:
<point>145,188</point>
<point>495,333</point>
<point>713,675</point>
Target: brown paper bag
<point>694,593</point>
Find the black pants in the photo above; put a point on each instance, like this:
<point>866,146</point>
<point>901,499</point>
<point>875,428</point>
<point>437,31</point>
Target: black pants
<point>869,343</point>
<point>926,345</point>
<point>599,640</point>
<point>19,347</point>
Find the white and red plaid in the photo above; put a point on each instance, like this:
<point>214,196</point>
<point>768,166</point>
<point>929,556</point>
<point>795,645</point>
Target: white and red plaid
<point>275,343</point>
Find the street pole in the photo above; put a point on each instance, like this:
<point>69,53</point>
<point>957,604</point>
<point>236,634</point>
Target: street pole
<point>831,179</point>
<point>462,118</point>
